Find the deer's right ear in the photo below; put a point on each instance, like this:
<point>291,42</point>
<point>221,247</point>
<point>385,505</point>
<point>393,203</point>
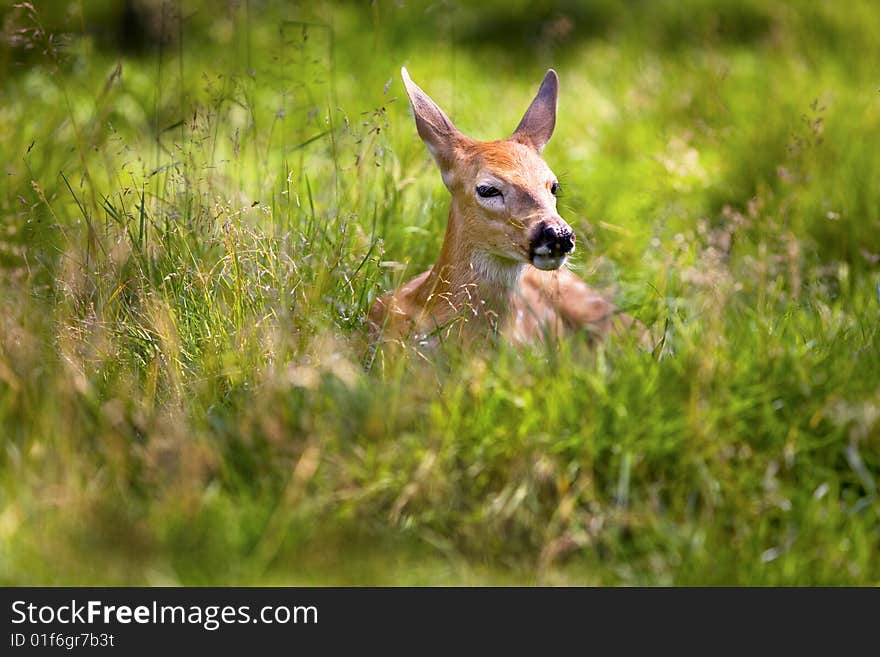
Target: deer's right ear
<point>435,128</point>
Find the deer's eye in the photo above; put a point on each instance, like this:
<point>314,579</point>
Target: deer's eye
<point>487,191</point>
<point>555,188</point>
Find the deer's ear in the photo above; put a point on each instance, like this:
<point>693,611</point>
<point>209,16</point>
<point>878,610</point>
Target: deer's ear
<point>537,124</point>
<point>435,128</point>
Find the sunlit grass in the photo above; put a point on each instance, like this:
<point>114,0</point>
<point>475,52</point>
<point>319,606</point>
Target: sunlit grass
<point>194,232</point>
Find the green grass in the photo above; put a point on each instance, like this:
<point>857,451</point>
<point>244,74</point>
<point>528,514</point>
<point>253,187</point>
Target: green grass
<point>193,232</point>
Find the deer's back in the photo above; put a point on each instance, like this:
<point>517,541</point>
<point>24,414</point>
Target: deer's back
<point>543,303</point>
<point>557,302</point>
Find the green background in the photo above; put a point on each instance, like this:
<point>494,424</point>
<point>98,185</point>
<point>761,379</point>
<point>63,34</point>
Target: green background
<point>200,200</point>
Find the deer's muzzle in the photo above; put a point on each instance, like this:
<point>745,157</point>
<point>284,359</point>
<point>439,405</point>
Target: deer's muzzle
<point>551,244</point>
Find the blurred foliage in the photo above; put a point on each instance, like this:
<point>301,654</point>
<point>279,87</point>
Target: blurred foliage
<point>201,200</point>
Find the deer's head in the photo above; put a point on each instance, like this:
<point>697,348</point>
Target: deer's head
<point>503,193</point>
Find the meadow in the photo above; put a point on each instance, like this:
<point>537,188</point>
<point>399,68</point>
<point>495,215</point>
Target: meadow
<point>200,202</point>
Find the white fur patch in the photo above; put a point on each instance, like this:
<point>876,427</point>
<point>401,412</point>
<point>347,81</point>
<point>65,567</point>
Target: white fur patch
<point>494,203</point>
<point>499,271</point>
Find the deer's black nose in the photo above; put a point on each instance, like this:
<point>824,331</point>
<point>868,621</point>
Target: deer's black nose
<point>553,240</point>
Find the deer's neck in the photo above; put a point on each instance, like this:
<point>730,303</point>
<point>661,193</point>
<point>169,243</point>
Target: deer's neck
<point>468,282</point>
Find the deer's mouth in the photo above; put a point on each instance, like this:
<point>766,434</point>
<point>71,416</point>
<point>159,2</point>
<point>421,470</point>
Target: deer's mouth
<point>548,262</point>
<point>549,257</point>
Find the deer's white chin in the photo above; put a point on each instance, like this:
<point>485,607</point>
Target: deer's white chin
<point>496,269</point>
<point>548,262</point>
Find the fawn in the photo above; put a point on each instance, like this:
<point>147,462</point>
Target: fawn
<point>500,267</point>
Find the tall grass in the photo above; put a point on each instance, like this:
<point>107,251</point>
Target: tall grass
<point>194,231</point>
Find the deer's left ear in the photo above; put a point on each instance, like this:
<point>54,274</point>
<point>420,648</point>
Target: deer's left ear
<point>537,124</point>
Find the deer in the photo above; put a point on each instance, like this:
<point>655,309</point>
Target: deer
<point>501,269</point>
